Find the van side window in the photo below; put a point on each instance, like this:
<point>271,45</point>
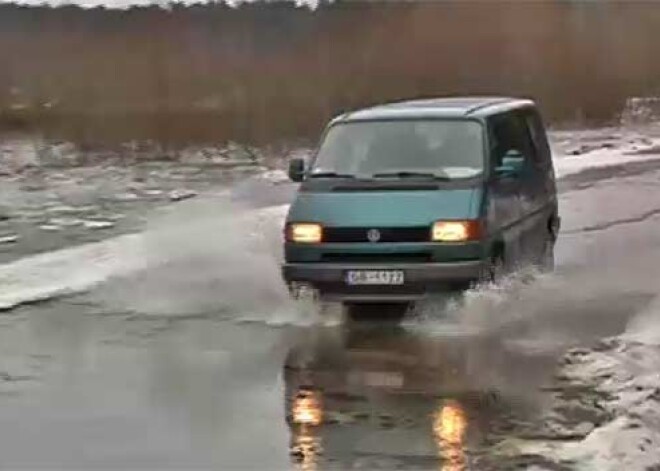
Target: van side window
<point>509,132</point>
<point>537,133</point>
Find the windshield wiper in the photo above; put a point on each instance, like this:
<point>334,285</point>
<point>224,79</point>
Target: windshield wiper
<point>331,175</point>
<point>406,174</point>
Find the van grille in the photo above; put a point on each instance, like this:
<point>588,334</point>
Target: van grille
<point>411,257</point>
<point>387,234</point>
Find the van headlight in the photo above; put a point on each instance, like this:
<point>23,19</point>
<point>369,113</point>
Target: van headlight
<point>456,231</point>
<point>304,233</point>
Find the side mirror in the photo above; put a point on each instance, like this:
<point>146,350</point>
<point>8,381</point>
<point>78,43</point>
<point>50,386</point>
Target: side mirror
<point>512,166</point>
<point>297,170</point>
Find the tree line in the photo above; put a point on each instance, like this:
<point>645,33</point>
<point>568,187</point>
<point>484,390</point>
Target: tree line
<point>266,72</point>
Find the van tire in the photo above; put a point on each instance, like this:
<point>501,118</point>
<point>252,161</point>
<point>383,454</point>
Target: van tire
<point>547,256</point>
<point>494,270</point>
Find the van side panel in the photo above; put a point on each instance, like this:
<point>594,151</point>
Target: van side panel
<point>503,208</point>
<point>539,188</point>
<point>521,209</point>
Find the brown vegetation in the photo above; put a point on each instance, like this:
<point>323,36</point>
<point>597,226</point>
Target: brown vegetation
<point>270,72</point>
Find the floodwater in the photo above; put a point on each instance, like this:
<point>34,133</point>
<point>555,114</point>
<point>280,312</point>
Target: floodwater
<point>202,361</point>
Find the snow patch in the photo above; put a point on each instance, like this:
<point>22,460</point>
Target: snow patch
<point>9,239</point>
<point>624,375</point>
<point>68,271</point>
<point>641,110</point>
<point>124,4</point>
<point>624,443</point>
<point>214,243</point>
<point>601,151</point>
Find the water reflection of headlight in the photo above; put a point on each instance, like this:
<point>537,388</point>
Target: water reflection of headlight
<point>307,408</point>
<point>306,413</point>
<point>306,448</point>
<point>449,426</point>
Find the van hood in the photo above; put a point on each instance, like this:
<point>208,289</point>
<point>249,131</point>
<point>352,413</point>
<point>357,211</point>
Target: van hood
<point>385,208</point>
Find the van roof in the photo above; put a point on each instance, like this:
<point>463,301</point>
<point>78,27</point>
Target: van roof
<point>450,107</point>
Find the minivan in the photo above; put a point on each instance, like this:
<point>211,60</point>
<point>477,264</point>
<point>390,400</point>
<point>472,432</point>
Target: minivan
<point>404,200</point>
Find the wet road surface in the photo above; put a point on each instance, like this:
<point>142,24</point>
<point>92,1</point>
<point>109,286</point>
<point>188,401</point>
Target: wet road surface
<point>100,390</point>
<point>97,382</point>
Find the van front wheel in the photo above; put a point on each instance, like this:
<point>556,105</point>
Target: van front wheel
<point>547,262</point>
<point>494,270</point>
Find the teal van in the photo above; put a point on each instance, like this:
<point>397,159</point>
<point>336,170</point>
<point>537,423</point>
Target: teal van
<point>408,199</point>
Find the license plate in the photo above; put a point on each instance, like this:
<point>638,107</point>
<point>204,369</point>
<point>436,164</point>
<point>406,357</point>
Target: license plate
<point>375,277</point>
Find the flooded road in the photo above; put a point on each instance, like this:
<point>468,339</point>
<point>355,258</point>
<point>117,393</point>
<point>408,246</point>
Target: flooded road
<point>104,390</point>
<point>202,362</point>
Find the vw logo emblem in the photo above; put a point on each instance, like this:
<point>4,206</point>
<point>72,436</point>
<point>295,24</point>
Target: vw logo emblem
<point>373,235</point>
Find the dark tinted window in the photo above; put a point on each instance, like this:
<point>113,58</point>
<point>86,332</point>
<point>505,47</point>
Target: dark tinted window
<point>537,133</point>
<point>510,132</point>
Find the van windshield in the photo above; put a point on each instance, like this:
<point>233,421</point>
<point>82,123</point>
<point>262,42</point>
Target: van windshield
<point>441,149</point>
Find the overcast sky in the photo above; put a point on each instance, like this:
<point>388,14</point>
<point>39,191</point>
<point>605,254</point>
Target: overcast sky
<point>126,3</point>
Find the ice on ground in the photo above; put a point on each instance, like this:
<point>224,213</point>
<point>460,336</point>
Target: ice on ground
<point>576,151</point>
<point>96,225</point>
<point>198,253</point>
<point>275,176</point>
<point>17,154</point>
<point>180,195</point>
<point>623,443</point>
<point>9,239</point>
<point>641,110</point>
<point>68,271</point>
<point>623,374</point>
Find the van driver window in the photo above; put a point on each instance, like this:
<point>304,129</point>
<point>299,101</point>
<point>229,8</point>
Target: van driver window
<point>510,132</point>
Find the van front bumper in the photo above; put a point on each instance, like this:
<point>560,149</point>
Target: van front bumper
<point>421,279</point>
